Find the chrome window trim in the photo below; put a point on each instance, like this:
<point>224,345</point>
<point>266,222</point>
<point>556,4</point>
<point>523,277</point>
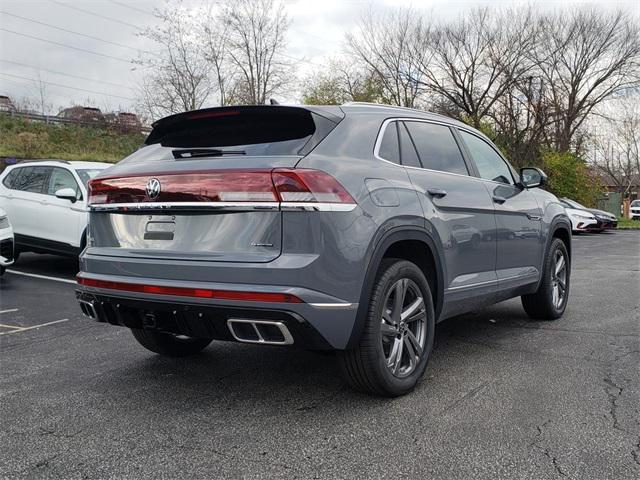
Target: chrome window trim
<point>229,206</point>
<point>376,148</point>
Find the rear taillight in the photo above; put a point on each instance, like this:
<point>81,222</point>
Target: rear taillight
<point>222,186</point>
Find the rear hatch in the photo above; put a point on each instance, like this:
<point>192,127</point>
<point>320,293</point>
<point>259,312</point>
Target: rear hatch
<point>210,184</point>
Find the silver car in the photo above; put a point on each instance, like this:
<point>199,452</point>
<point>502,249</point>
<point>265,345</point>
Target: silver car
<point>354,228</point>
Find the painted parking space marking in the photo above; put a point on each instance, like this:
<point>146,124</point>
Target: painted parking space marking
<point>18,329</point>
<point>9,310</point>
<point>45,277</point>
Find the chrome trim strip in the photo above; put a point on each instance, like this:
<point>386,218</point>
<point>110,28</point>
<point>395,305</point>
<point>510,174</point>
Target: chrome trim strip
<point>333,306</point>
<point>237,206</point>
<point>186,206</point>
<point>489,282</point>
<point>316,207</point>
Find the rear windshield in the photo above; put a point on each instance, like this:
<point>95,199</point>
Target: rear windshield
<point>240,131</point>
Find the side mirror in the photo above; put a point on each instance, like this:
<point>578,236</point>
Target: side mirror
<point>531,177</point>
<point>67,194</point>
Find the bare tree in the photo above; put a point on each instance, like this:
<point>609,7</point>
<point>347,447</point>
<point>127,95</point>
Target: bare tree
<point>256,34</point>
<point>342,82</point>
<point>177,77</point>
<point>616,150</point>
<point>477,59</point>
<point>585,57</point>
<point>384,44</point>
<point>215,33</point>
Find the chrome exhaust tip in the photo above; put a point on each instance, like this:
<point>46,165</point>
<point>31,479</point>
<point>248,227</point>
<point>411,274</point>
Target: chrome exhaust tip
<point>88,309</point>
<point>264,332</point>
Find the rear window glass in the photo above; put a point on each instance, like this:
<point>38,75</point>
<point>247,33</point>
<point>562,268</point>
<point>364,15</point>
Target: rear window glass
<point>389,149</point>
<point>32,179</point>
<point>437,147</point>
<point>250,131</point>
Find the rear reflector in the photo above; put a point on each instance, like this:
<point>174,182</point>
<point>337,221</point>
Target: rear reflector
<point>254,186</point>
<point>191,292</point>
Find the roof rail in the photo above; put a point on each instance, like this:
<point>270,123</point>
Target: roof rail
<point>31,160</point>
<point>395,107</point>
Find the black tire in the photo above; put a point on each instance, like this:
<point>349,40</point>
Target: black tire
<point>168,344</point>
<point>540,305</point>
<point>365,367</point>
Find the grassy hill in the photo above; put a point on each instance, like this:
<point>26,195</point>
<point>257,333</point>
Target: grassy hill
<point>23,138</point>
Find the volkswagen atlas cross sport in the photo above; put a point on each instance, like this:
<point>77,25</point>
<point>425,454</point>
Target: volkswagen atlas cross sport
<point>352,228</point>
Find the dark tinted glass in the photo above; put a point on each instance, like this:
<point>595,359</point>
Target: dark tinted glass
<point>407,150</point>
<point>32,179</point>
<point>10,178</point>
<point>61,178</point>
<point>389,149</point>
<point>490,165</point>
<point>437,148</point>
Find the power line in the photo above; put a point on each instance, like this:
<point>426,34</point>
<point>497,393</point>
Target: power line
<point>131,8</point>
<point>66,46</point>
<point>89,12</point>
<point>67,86</point>
<point>66,74</point>
<point>122,45</point>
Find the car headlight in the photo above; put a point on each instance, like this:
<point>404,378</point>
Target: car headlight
<point>584,217</point>
<point>4,222</point>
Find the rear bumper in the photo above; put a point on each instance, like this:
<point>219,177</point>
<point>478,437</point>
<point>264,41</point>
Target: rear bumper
<point>317,322</point>
<point>194,319</point>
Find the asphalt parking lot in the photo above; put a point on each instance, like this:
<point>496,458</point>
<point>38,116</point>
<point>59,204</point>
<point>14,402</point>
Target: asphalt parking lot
<point>503,397</point>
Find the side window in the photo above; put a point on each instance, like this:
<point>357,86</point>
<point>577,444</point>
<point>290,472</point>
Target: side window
<point>490,165</point>
<point>10,178</point>
<point>61,178</point>
<point>437,147</point>
<point>407,149</point>
<point>33,179</point>
<point>389,144</point>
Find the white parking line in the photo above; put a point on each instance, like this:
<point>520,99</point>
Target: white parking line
<point>35,275</point>
<point>9,310</point>
<point>17,329</point>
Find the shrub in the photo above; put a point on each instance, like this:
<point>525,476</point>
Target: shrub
<point>570,177</point>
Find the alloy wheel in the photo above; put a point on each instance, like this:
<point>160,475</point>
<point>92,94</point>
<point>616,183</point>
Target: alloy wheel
<point>403,327</point>
<point>559,280</point>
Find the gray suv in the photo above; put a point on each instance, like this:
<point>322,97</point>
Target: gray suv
<point>354,228</point>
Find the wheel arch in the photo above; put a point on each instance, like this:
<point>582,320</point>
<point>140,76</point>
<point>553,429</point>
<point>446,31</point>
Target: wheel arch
<point>393,245</point>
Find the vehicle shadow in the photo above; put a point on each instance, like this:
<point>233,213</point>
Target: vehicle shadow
<point>257,377</point>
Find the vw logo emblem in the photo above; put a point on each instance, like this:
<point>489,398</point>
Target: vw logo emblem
<point>153,188</point>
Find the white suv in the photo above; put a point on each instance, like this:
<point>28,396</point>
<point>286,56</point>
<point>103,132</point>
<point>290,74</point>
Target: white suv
<point>635,210</point>
<point>46,202</point>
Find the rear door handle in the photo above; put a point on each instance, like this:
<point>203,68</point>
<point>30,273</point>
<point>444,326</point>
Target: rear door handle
<point>436,192</point>
<point>498,199</point>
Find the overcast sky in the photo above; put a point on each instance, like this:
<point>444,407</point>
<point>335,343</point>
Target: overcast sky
<point>37,40</point>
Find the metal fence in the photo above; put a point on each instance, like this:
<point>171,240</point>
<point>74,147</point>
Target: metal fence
<point>55,119</point>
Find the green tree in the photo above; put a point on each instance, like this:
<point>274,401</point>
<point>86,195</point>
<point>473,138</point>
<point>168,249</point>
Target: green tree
<point>570,177</point>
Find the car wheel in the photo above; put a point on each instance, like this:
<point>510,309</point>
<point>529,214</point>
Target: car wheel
<point>550,301</point>
<point>397,339</point>
<point>169,344</point>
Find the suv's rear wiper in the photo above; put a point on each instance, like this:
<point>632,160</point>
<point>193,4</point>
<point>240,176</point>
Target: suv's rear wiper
<point>204,152</point>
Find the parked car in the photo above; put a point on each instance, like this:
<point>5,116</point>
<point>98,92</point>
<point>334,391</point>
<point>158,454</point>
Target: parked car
<point>604,219</point>
<point>46,201</point>
<point>634,211</point>
<point>123,121</point>
<point>581,220</point>
<point>6,242</point>
<point>346,228</point>
<point>82,114</point>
